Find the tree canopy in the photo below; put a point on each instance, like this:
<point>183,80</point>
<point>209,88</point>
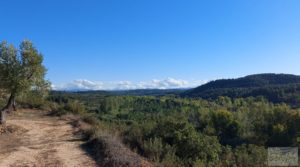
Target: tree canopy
<point>276,88</point>
<point>21,70</point>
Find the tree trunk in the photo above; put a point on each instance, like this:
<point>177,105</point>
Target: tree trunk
<point>10,106</point>
<point>2,117</point>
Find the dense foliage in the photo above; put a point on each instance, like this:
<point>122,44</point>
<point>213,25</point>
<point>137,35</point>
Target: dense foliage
<point>173,131</point>
<point>275,87</point>
<point>21,70</point>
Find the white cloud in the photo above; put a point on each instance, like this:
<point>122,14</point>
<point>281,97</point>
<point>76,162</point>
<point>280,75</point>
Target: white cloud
<point>169,83</point>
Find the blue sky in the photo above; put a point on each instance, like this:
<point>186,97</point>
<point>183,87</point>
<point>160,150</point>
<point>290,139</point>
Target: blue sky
<point>150,43</point>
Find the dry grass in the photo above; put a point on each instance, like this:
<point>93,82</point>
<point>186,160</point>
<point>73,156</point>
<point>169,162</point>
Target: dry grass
<point>10,129</point>
<point>108,149</point>
<point>104,145</point>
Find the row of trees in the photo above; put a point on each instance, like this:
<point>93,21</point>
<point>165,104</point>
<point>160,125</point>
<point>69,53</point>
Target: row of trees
<point>21,71</point>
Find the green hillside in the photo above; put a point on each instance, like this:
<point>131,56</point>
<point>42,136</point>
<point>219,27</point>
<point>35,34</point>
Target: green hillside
<point>275,87</point>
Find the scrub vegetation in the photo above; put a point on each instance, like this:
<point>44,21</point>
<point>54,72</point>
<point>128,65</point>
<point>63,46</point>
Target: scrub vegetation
<point>174,131</point>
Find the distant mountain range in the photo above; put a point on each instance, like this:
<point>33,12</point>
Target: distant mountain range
<point>275,87</point>
<point>149,92</point>
<point>135,92</point>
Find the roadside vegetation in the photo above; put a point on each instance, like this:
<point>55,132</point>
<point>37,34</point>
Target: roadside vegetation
<point>172,131</point>
<point>103,140</point>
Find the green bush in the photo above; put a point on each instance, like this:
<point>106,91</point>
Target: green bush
<point>75,107</point>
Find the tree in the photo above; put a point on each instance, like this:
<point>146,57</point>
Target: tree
<point>226,127</point>
<point>20,71</point>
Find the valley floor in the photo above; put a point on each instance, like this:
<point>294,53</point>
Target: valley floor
<point>38,140</point>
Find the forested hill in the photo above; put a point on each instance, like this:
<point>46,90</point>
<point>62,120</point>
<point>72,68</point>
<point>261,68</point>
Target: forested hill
<point>275,87</point>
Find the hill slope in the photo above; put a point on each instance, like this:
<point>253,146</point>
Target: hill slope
<point>275,87</point>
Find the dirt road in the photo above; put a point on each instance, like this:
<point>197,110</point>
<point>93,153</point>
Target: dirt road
<point>42,141</point>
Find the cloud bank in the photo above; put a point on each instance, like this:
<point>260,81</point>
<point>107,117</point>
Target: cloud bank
<point>169,83</point>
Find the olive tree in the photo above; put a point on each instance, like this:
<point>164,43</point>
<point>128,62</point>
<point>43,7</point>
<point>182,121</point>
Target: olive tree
<point>20,71</point>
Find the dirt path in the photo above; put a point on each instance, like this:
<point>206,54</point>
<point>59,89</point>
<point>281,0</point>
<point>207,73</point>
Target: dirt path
<point>42,141</point>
